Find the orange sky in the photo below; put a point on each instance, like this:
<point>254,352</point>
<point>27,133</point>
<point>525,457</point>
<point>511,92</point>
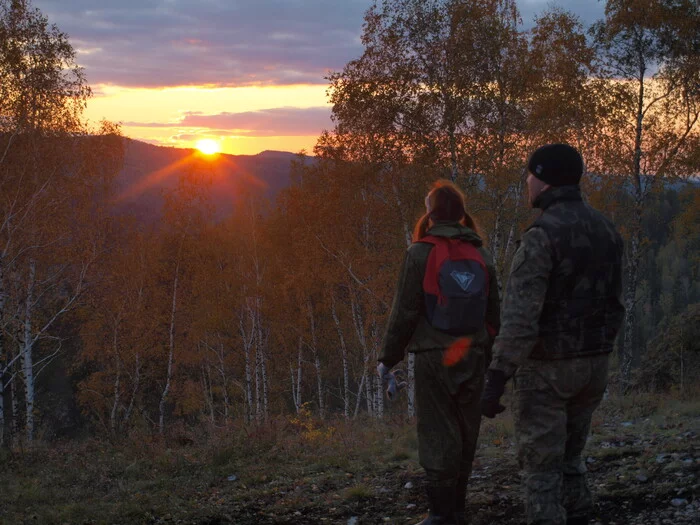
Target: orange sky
<point>163,115</point>
<point>256,72</point>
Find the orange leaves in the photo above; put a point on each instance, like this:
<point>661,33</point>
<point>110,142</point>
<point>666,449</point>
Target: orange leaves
<point>456,351</point>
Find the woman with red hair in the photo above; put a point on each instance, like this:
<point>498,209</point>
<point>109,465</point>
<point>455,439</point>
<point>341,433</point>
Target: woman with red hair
<point>446,311</point>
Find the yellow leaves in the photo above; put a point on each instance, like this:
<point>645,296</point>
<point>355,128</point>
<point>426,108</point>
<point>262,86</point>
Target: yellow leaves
<point>312,430</point>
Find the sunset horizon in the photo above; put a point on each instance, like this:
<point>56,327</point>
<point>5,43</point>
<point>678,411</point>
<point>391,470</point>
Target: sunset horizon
<point>250,76</point>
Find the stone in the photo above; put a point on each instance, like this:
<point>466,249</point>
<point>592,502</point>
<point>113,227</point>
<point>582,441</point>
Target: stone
<point>408,485</point>
<point>642,478</point>
<point>679,502</point>
<point>411,506</point>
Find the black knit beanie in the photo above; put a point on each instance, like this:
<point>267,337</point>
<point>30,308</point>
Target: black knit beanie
<point>556,164</point>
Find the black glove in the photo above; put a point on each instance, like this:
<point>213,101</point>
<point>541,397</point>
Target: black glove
<point>491,396</point>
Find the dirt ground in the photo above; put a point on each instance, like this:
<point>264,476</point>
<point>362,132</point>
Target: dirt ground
<point>643,464</point>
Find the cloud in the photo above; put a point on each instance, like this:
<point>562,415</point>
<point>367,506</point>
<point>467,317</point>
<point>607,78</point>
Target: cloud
<point>269,122</point>
<point>194,42</point>
<point>279,122</point>
<point>154,43</point>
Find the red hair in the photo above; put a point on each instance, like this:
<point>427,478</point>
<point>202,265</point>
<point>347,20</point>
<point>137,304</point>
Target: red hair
<point>445,202</point>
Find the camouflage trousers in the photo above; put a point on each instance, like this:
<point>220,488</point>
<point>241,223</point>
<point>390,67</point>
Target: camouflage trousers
<point>449,415</point>
<point>553,405</point>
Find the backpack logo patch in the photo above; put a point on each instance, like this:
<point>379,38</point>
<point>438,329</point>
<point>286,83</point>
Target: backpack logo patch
<point>464,279</point>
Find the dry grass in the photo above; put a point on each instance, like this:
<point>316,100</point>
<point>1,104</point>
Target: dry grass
<point>285,472</point>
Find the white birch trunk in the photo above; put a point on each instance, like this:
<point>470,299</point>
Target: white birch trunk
<point>317,361</point>
<point>208,392</point>
<point>359,393</point>
<point>258,398</point>
<point>344,358</point>
<point>369,392</point>
<point>117,378</point>
<point>495,240</point>
<point>360,332</point>
<point>3,357</point>
<point>411,387</point>
<point>513,224</point>
<point>247,344</point>
<point>171,353</point>
<point>135,389</point>
<point>14,425</point>
<point>628,350</point>
<point>296,382</point>
<point>263,369</point>
<point>379,391</point>
<point>224,381</point>
<point>628,353</point>
<point>260,368</point>
<point>411,361</point>
<point>27,358</point>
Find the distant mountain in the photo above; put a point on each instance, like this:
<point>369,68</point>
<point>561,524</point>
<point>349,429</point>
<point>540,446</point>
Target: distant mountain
<point>149,172</point>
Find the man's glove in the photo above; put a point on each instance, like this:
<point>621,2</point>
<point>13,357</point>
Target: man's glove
<point>493,390</point>
<point>393,380</point>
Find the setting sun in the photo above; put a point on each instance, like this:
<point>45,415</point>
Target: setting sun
<point>208,146</point>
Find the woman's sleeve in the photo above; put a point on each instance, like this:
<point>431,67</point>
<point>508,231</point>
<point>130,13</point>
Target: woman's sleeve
<point>406,308</point>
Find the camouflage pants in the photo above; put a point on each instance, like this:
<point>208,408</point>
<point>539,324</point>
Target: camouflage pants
<point>553,406</point>
<point>449,415</point>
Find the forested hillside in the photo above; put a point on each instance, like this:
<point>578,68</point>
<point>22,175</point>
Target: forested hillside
<point>111,323</point>
<point>149,172</point>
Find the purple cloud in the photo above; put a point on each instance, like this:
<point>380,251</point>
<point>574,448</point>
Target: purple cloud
<point>155,43</point>
<point>267,122</point>
<point>190,42</point>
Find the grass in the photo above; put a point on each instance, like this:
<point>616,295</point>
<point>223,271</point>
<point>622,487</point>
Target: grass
<point>332,469</point>
<point>358,492</point>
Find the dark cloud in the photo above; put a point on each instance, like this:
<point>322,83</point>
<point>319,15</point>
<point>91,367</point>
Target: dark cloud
<point>225,42</point>
<point>193,42</point>
<point>268,122</point>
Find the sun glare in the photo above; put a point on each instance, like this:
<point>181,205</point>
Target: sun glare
<point>208,146</point>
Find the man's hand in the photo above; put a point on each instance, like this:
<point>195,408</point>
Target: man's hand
<point>393,380</point>
<point>491,396</point>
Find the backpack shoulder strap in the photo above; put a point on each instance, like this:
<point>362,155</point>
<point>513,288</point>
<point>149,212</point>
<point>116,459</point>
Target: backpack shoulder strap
<point>440,252</point>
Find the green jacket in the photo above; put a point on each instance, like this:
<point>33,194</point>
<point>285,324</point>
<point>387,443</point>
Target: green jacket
<point>408,329</point>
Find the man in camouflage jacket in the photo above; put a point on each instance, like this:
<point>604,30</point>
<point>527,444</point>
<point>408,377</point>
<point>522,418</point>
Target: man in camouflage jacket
<point>561,314</point>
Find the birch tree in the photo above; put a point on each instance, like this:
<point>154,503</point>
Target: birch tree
<point>648,51</point>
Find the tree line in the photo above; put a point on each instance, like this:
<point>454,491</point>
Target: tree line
<point>197,320</point>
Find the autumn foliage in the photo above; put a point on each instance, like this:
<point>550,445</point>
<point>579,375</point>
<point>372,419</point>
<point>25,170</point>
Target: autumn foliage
<point>279,308</point>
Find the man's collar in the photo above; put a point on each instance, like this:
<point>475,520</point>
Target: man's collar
<point>556,194</point>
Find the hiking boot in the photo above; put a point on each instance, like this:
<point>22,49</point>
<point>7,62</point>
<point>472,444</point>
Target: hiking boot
<point>442,506</point>
<point>461,501</point>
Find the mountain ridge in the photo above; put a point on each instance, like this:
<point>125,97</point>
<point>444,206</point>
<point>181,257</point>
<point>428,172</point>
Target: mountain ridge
<point>150,171</point>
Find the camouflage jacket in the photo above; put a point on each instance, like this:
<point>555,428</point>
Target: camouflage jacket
<point>563,294</point>
<point>408,329</point>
